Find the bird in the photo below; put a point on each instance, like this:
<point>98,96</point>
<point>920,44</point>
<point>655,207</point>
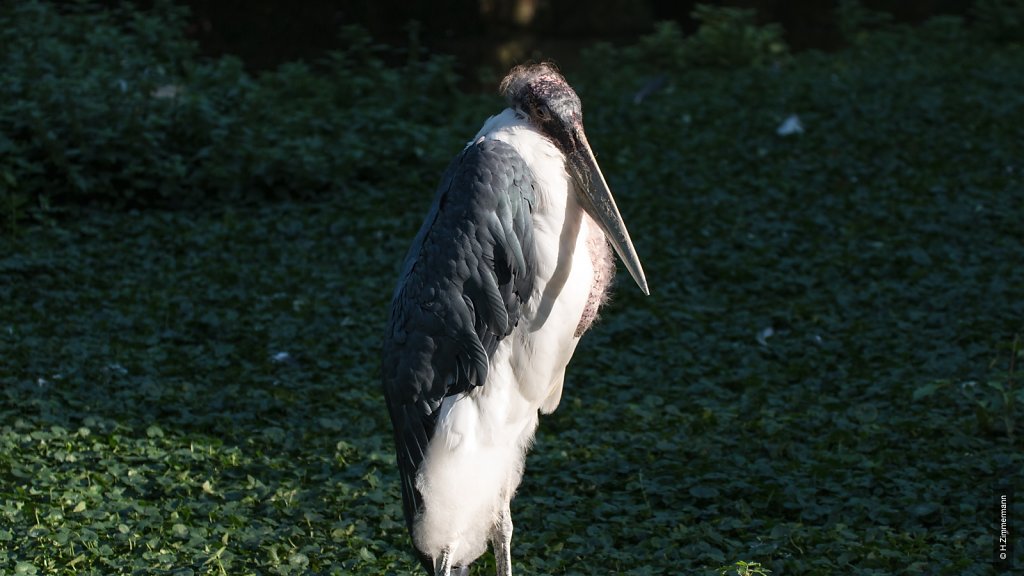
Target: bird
<point>506,273</point>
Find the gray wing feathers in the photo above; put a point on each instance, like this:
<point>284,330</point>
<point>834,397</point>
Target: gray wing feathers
<point>465,279</point>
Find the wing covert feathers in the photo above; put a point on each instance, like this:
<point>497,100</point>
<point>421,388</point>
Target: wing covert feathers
<point>461,291</point>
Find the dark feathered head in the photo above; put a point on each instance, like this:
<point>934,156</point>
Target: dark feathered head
<point>541,93</point>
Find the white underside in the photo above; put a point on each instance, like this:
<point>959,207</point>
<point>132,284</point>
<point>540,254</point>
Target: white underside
<point>475,461</point>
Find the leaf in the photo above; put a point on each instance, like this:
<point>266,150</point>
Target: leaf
<point>180,531</point>
<point>922,392</point>
<point>704,492</point>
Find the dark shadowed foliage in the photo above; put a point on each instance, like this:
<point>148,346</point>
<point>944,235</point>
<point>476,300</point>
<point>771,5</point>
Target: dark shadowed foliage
<point>196,264</point>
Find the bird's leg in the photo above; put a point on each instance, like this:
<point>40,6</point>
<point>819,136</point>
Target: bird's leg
<point>443,565</point>
<point>501,539</point>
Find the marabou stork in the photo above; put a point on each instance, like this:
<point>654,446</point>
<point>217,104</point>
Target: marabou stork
<point>505,275</point>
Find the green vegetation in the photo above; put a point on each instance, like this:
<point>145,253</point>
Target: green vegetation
<point>129,116</point>
<point>196,264</point>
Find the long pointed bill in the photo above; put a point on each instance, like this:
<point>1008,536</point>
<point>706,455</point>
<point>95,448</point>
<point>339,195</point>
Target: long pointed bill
<point>596,198</point>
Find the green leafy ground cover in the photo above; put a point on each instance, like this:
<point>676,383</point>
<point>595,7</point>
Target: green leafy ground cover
<point>194,390</point>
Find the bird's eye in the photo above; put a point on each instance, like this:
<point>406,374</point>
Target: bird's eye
<point>543,112</point>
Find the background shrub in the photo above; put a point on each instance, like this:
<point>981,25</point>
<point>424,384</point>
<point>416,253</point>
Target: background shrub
<point>81,112</point>
<point>1000,20</point>
<point>114,107</point>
